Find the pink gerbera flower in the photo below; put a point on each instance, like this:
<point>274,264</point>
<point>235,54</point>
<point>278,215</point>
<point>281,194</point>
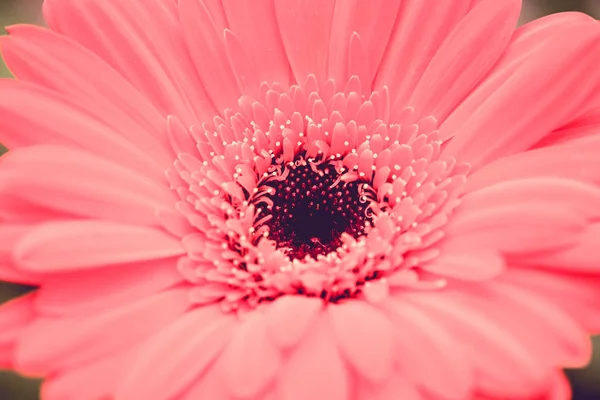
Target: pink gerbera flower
<point>300,199</point>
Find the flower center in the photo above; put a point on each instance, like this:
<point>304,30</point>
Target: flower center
<point>311,208</point>
<point>309,190</point>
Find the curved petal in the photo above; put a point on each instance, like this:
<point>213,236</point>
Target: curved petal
<point>418,33</point>
<point>576,159</point>
<point>31,115</point>
<point>15,317</point>
<point>365,337</point>
<point>73,245</point>
<point>308,52</point>
<point>77,183</point>
<point>289,317</point>
<point>427,355</point>
<point>558,76</point>
<point>51,344</point>
<point>41,56</point>
<point>93,381</point>
<point>251,360</point>
<point>85,292</point>
<point>10,235</point>
<point>465,57</point>
<point>205,42</point>
<point>370,20</point>
<point>145,46</point>
<point>578,295</point>
<point>315,369</point>
<point>184,349</point>
<point>256,26</point>
<point>502,363</point>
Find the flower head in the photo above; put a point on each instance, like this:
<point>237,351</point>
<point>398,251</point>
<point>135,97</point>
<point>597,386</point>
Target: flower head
<point>294,200</point>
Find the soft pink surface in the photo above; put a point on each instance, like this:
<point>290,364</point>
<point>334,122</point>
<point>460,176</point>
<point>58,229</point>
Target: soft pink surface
<point>112,199</point>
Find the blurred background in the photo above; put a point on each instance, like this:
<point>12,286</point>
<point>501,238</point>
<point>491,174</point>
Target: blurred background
<point>586,383</point>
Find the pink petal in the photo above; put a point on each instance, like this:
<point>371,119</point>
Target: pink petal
<point>465,57</point>
<point>551,331</point>
<point>9,237</point>
<point>83,293</point>
<point>142,44</point>
<point>397,387</point>
<point>307,52</point>
<point>255,25</point>
<point>427,354</point>
<point>33,115</point>
<point>581,257</point>
<point>91,243</point>
<point>552,74</point>
<point>93,381</point>
<point>467,264</point>
<point>373,22</point>
<point>365,337</point>
<point>251,360</point>
<point>550,212</point>
<point>577,295</point>
<point>289,317</point>
<point>76,183</point>
<point>315,369</point>
<point>208,386</point>
<point>204,39</point>
<point>50,344</point>
<point>418,33</point>
<point>561,193</point>
<point>541,227</point>
<point>184,349</point>
<point>503,364</point>
<point>15,317</point>
<point>576,160</point>
<point>67,67</point>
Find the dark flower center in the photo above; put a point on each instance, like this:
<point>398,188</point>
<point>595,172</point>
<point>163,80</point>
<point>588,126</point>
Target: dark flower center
<point>312,208</point>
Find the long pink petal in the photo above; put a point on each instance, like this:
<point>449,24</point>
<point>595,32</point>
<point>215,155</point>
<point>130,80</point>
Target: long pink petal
<point>85,292</point>
<point>307,52</point>
<point>184,349</point>
<point>141,45</point>
<point>581,257</point>
<point>315,369</point>
<point>77,183</point>
<point>34,115</point>
<point>15,317</point>
<point>289,317</point>
<point>256,26</point>
<point>54,61</point>
<point>205,42</point>
<point>50,344</point>
<point>465,57</point>
<point>73,245</point>
<point>93,381</point>
<point>365,337</point>
<point>373,22</point>
<point>576,159</point>
<point>251,361</point>
<point>548,84</point>
<point>502,363</point>
<point>427,354</point>
<point>419,31</point>
<point>578,295</point>
<point>10,234</point>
